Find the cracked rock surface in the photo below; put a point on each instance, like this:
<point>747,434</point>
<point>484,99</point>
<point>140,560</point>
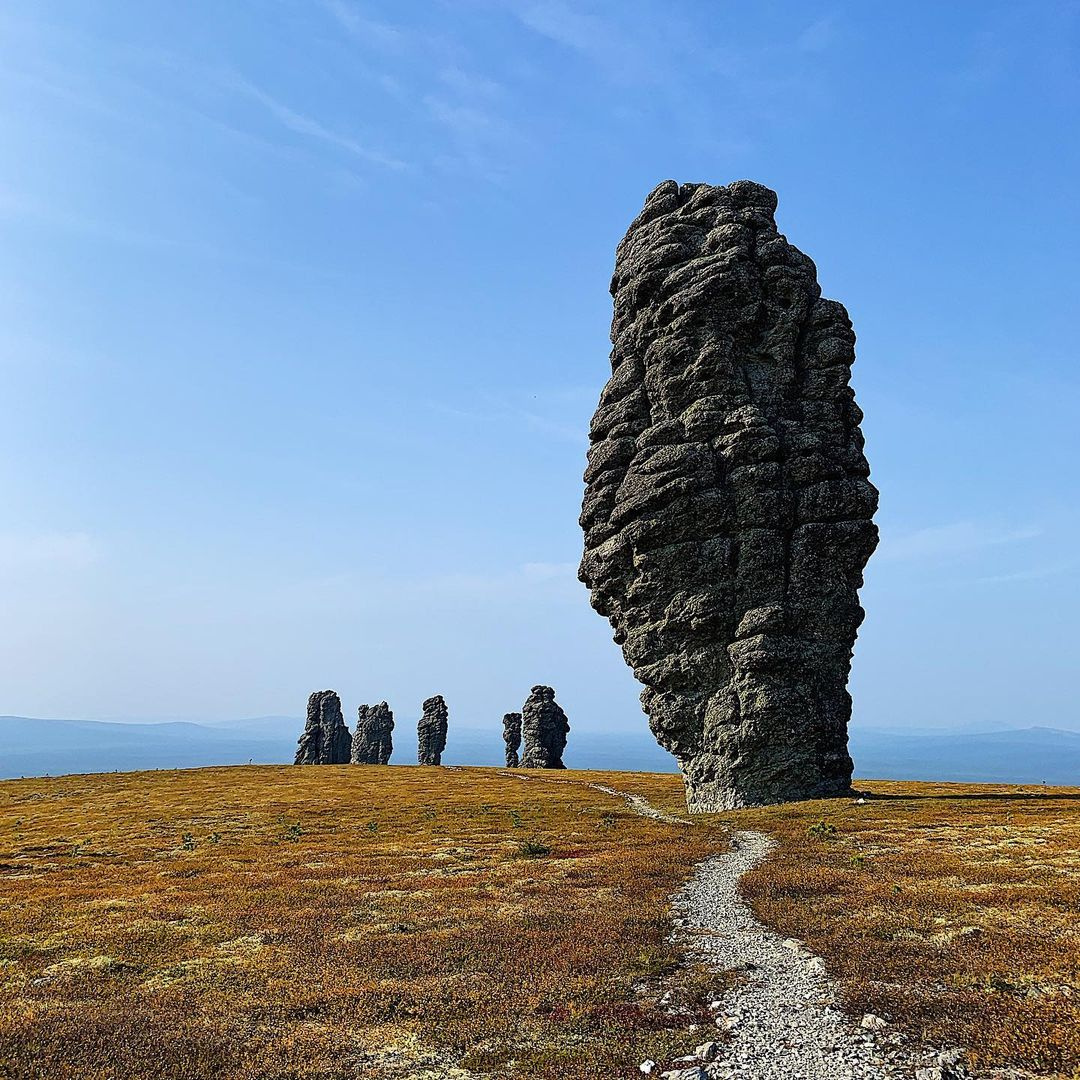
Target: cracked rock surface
<point>544,727</point>
<point>326,739</point>
<point>728,512</point>
<point>373,742</point>
<point>431,731</point>
<point>512,738</point>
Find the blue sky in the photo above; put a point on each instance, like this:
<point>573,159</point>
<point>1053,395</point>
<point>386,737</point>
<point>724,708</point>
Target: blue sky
<point>303,315</point>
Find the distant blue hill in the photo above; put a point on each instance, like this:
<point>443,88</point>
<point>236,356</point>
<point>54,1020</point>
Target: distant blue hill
<point>34,747</point>
<point>1035,755</point>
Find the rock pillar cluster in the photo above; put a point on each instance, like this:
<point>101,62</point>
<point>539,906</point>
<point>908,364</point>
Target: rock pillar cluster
<point>431,731</point>
<point>372,742</point>
<point>544,727</point>
<point>728,514</point>
<point>326,739</point>
<point>512,738</point>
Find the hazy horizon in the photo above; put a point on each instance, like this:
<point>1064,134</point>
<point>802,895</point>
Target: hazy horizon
<point>305,314</point>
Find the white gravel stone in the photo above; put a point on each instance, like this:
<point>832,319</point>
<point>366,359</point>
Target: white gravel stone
<point>707,1052</point>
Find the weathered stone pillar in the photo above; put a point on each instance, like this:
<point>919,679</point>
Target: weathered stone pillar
<point>512,737</point>
<point>326,739</point>
<point>727,512</point>
<point>431,731</point>
<point>373,742</point>
<point>544,727</point>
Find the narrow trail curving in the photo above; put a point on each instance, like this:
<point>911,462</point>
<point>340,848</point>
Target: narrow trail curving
<point>784,1020</point>
<point>637,803</point>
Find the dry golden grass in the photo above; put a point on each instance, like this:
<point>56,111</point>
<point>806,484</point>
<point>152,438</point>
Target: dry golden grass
<point>339,922</point>
<point>952,909</point>
<point>336,922</point>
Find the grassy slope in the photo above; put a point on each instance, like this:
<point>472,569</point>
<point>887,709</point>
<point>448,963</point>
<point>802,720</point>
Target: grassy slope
<point>273,921</point>
<point>952,908</point>
<point>340,922</point>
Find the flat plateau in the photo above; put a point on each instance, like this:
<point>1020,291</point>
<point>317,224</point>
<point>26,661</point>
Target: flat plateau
<point>385,921</point>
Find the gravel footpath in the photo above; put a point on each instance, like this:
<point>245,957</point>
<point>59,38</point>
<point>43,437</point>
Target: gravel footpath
<point>783,1021</point>
<point>636,803</point>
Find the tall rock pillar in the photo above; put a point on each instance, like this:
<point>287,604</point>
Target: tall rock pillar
<point>544,728</point>
<point>728,511</point>
<point>431,731</point>
<point>512,738</point>
<point>373,741</point>
<point>326,739</point>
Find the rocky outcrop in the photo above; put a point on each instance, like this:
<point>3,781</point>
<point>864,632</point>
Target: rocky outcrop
<point>372,742</point>
<point>431,731</point>
<point>544,727</point>
<point>727,512</point>
<point>512,738</point>
<point>326,739</point>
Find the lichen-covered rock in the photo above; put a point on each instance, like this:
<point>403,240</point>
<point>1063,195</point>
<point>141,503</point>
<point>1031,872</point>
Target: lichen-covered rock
<point>727,512</point>
<point>373,742</point>
<point>512,738</point>
<point>326,739</point>
<point>544,727</point>
<point>431,731</point>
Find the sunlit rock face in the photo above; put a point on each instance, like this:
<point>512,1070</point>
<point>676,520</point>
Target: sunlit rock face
<point>512,738</point>
<point>431,731</point>
<point>326,739</point>
<point>727,511</point>
<point>372,742</point>
<point>544,728</point>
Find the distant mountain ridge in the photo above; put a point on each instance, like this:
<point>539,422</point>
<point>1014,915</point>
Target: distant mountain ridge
<point>37,747</point>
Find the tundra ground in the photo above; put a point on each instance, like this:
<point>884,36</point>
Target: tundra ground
<point>340,922</point>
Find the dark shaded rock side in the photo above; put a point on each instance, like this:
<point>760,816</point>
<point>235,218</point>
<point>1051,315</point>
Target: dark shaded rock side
<point>512,738</point>
<point>544,727</point>
<point>373,742</point>
<point>326,739</point>
<point>727,511</point>
<point>431,731</point>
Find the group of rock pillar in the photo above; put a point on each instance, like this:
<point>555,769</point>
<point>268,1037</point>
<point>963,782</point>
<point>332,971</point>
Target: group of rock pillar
<point>543,726</point>
<point>327,741</point>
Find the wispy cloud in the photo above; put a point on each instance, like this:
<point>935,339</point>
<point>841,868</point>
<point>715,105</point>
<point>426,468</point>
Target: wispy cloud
<point>312,128</point>
<point>600,40</point>
<point>564,24</point>
<point>362,27</point>
<point>949,541</point>
<point>430,75</point>
<point>482,141</point>
<point>469,83</point>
